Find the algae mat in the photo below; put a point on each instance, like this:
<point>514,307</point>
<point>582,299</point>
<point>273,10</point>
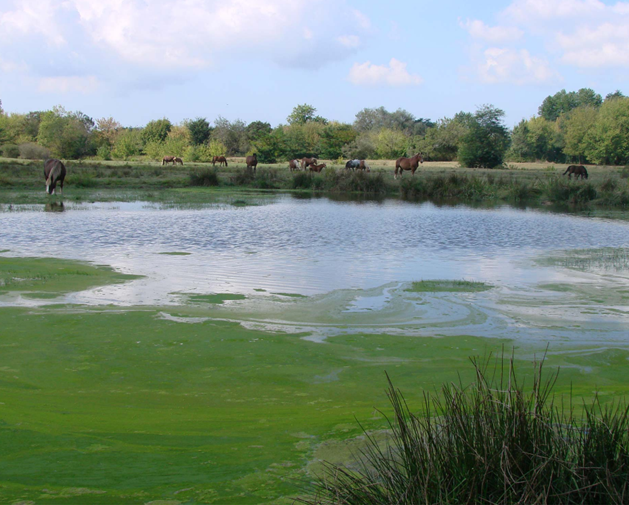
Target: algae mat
<point>209,403</point>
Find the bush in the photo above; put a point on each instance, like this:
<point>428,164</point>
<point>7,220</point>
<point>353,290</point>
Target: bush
<point>493,441</point>
<point>10,151</point>
<point>104,153</point>
<point>302,180</point>
<point>32,151</point>
<point>204,177</point>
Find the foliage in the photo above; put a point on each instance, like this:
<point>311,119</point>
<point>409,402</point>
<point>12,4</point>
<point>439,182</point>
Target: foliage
<point>607,140</point>
<point>364,147</point>
<point>332,138</point>
<point>561,102</point>
<point>32,151</point>
<point>575,126</point>
<point>493,441</point>
<point>156,130</point>
<point>107,129</point>
<point>303,114</point>
<point>104,153</point>
<point>204,177</point>
<point>233,135</point>
<point>128,143</point>
<point>199,129</point>
<point>442,141</point>
<point>257,130</point>
<point>402,120</point>
<point>486,141</point>
<point>66,134</point>
<point>390,144</point>
<point>10,151</point>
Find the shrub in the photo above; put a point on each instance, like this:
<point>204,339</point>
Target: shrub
<point>32,151</point>
<point>84,181</point>
<point>302,180</point>
<point>10,151</point>
<point>204,177</point>
<point>493,441</point>
<point>104,153</point>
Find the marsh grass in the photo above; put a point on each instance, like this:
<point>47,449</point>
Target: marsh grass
<point>204,177</point>
<point>492,441</point>
<point>435,286</point>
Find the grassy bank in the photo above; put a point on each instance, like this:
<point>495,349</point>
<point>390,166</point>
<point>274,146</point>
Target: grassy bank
<point>607,187</point>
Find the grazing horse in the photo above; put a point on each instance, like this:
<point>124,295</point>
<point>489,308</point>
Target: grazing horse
<point>54,172</point>
<point>177,160</point>
<point>363,166</point>
<point>352,164</point>
<point>411,164</point>
<point>306,162</point>
<point>293,165</point>
<point>577,170</point>
<point>220,160</point>
<point>168,159</point>
<point>317,168</point>
<point>252,161</point>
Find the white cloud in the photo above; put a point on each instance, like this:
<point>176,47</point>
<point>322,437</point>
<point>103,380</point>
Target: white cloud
<point>606,45</point>
<point>547,10</point>
<point>514,66</point>
<point>492,34</point>
<point>395,75</point>
<point>69,84</point>
<point>349,40</point>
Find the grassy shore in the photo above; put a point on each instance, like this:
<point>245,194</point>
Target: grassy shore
<point>528,183</point>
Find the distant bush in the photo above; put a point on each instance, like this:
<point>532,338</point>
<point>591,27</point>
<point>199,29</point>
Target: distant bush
<point>10,151</point>
<point>84,181</point>
<point>104,153</point>
<point>204,177</point>
<point>32,151</point>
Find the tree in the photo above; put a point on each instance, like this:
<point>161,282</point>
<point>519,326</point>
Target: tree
<point>561,102</point>
<point>521,148</point>
<point>232,135</point>
<point>545,139</point>
<point>442,141</point>
<point>199,130</point>
<point>108,129</point>
<point>67,134</point>
<point>362,148</point>
<point>128,143</point>
<point>575,126</point>
<point>258,129</point>
<point>156,130</point>
<point>487,139</point>
<point>607,141</point>
<point>402,120</point>
<point>332,139</point>
<point>303,114</point>
<point>615,94</point>
<point>390,144</point>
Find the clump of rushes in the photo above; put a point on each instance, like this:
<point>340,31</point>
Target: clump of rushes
<point>492,441</point>
<point>204,177</point>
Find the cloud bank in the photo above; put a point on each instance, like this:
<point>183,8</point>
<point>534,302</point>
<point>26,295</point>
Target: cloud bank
<point>393,75</point>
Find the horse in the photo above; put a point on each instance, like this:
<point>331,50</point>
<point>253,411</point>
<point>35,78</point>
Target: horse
<point>220,160</point>
<point>177,160</point>
<point>252,161</point>
<point>363,166</point>
<point>306,162</point>
<point>408,164</point>
<point>293,165</point>
<point>317,168</point>
<point>352,164</point>
<point>577,170</point>
<point>54,172</point>
<point>168,159</point>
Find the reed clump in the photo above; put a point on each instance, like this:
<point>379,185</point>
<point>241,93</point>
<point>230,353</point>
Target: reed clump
<point>204,177</point>
<point>493,441</point>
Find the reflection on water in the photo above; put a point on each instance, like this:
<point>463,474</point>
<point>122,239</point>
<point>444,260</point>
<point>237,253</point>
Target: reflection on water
<point>54,207</point>
<point>301,246</point>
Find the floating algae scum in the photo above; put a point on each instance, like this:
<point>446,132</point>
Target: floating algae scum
<point>224,349</point>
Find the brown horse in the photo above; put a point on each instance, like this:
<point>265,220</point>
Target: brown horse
<point>177,160</point>
<point>306,162</point>
<point>168,159</point>
<point>363,166</point>
<point>317,168</point>
<point>577,170</point>
<point>220,160</point>
<point>54,173</point>
<point>252,161</point>
<point>408,164</point>
<point>293,165</point>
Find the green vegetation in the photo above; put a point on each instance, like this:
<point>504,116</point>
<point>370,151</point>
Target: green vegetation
<point>492,441</point>
<point>437,286</point>
<point>215,298</point>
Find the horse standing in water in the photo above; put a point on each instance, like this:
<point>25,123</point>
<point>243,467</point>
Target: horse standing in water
<point>577,170</point>
<point>168,159</point>
<point>411,164</point>
<point>220,160</point>
<point>177,160</point>
<point>55,173</point>
<point>252,161</point>
<point>293,165</point>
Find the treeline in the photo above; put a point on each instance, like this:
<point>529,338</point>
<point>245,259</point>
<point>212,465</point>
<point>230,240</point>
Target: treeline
<point>570,127</point>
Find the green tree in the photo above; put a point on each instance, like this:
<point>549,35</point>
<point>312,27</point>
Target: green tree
<point>575,126</point>
<point>233,135</point>
<point>561,102</point>
<point>487,139</point>
<point>615,94</point>
<point>441,142</point>
<point>303,114</point>
<point>390,144</point>
<point>364,147</point>
<point>128,143</point>
<point>156,130</point>
<point>258,129</point>
<point>332,139</point>
<point>521,148</point>
<point>199,130</point>
<point>607,141</point>
<point>66,134</point>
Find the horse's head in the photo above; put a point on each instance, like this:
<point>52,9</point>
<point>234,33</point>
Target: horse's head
<point>420,157</point>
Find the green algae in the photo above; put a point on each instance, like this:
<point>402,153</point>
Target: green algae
<point>216,298</point>
<point>176,253</point>
<point>448,286</point>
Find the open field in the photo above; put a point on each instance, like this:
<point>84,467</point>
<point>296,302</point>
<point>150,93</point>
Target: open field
<point>531,183</point>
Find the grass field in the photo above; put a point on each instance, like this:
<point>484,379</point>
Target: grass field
<point>167,405</point>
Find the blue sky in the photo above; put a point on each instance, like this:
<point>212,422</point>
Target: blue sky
<point>138,60</point>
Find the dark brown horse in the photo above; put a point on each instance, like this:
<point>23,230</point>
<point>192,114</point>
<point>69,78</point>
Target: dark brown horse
<point>293,165</point>
<point>363,166</point>
<point>54,173</point>
<point>306,162</point>
<point>177,160</point>
<point>577,170</point>
<point>252,161</point>
<point>408,164</point>
<point>168,159</point>
<point>220,160</point>
<point>317,168</point>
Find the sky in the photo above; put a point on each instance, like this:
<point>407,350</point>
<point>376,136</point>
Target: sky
<point>139,60</point>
